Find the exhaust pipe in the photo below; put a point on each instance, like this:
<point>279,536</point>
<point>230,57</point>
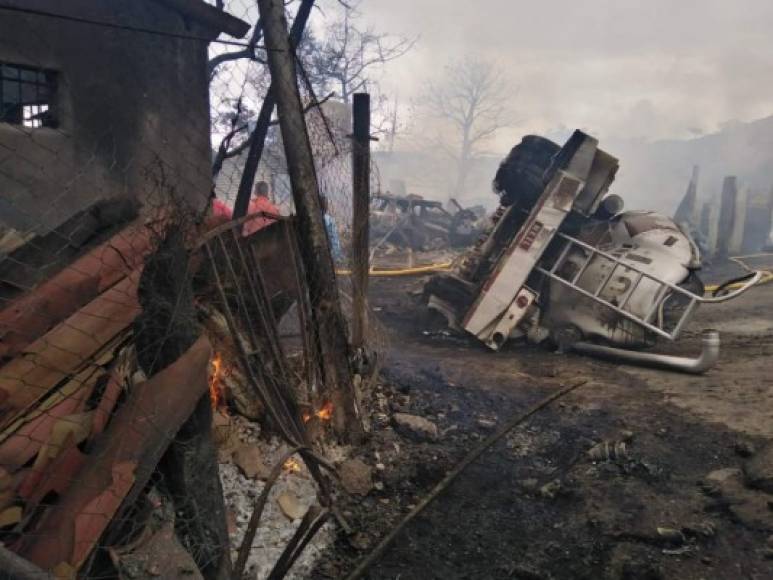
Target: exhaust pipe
<point>695,366</point>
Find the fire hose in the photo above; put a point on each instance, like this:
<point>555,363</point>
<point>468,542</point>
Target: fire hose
<point>416,270</point>
<point>447,266</point>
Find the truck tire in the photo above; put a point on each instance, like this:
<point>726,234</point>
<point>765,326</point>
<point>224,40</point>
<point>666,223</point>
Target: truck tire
<point>523,174</point>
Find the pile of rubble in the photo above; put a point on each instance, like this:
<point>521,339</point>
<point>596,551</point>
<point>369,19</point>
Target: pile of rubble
<point>246,460</point>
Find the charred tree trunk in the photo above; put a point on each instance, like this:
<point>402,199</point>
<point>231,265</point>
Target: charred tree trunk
<point>727,217</point>
<point>329,323</point>
<point>166,328</point>
<point>463,168</point>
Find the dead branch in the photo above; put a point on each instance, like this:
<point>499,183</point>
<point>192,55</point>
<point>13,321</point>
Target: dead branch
<point>225,152</point>
<point>248,51</point>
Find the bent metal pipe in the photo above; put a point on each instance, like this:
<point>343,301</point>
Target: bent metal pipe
<point>696,366</point>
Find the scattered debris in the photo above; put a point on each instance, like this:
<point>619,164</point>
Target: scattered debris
<point>410,221</point>
<point>551,489</point>
<point>522,572</point>
<point>157,554</point>
<point>415,427</point>
<point>290,505</point>
<point>356,476</point>
<point>705,529</point>
<point>487,424</point>
<point>608,451</point>
<point>680,551</point>
<point>759,470</point>
<point>249,459</point>
<point>744,448</point>
<point>672,535</point>
<point>749,506</point>
<point>633,562</point>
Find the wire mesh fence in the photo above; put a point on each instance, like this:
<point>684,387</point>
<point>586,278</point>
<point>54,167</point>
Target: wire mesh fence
<point>132,309</point>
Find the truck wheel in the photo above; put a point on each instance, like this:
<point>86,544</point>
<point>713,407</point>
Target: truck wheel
<point>522,175</point>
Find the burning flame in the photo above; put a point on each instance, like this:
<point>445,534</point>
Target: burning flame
<point>216,386</point>
<point>292,465</point>
<point>325,413</point>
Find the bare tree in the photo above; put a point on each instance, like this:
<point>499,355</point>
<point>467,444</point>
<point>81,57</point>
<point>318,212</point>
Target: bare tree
<point>348,55</point>
<point>470,100</point>
<point>339,59</point>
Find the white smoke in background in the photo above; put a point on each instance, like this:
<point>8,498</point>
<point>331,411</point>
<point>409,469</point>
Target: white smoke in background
<point>656,82</point>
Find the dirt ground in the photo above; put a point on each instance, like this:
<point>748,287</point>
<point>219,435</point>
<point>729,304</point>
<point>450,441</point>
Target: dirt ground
<point>537,506</point>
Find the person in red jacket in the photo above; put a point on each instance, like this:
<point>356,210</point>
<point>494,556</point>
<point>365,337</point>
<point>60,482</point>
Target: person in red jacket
<point>260,203</point>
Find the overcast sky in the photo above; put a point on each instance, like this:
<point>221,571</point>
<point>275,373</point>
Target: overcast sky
<point>646,69</point>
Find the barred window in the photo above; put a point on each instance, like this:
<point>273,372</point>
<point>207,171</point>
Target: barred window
<point>27,96</point>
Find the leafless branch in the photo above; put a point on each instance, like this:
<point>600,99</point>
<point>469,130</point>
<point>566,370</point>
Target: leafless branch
<point>350,54</point>
<point>248,52</point>
<point>225,151</point>
<point>472,100</point>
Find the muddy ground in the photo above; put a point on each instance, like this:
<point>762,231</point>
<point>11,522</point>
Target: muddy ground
<point>537,506</point>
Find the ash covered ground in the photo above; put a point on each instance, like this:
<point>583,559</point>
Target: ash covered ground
<point>678,500</point>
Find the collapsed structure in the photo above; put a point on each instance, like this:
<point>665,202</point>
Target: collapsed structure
<point>117,285</point>
<point>413,222</point>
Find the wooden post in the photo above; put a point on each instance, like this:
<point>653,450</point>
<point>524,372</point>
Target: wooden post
<point>258,136</point>
<point>327,318</point>
<point>726,215</point>
<point>739,224</point>
<point>687,212</point>
<point>361,216</point>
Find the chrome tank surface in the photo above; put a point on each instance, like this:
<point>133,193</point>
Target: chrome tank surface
<point>647,241</point>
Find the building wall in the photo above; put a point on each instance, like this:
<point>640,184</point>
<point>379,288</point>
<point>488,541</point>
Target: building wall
<point>132,107</point>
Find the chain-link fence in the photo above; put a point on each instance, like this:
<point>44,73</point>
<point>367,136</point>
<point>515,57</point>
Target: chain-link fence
<point>164,371</point>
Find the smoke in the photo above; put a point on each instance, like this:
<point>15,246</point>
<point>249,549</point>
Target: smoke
<point>637,75</point>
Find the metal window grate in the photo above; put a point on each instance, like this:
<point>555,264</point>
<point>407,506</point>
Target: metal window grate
<point>27,95</point>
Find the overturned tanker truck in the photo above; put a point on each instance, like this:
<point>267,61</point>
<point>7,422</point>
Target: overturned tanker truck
<point>562,263</point>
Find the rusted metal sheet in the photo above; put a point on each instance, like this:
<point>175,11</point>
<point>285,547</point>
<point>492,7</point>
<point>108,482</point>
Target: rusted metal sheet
<point>64,350</point>
<point>25,443</point>
<point>123,457</point>
<point>30,316</point>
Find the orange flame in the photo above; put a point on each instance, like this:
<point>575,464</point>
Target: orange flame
<point>325,413</point>
<point>216,386</point>
<point>292,465</point>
